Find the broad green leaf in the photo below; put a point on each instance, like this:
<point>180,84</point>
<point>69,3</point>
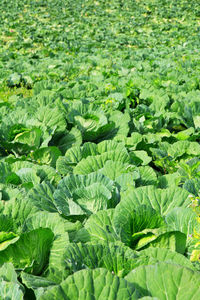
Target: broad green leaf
<point>193,148</point>
<point>7,176</point>
<point>166,281</point>
<point>96,284</point>
<point>115,258</point>
<point>185,134</point>
<point>46,155</point>
<point>17,165</point>
<point>55,270</point>
<point>51,116</point>
<point>147,176</point>
<point>173,240</point>
<point>114,169</point>
<point>31,137</point>
<point>126,180</point>
<point>60,227</point>
<point>192,186</point>
<point>196,121</point>
<point>6,223</point>
<point>6,239</point>
<point>143,156</point>
<point>63,165</point>
<point>37,283</point>
<point>75,154</point>
<point>47,173</point>
<point>10,290</point>
<point>162,201</point>
<point>121,121</point>
<point>42,197</point>
<point>5,170</point>
<point>169,180</point>
<point>28,175</point>
<point>132,141</point>
<point>106,150</point>
<point>44,219</point>
<point>9,192</point>
<point>90,120</point>
<point>137,222</point>
<point>30,252</point>
<point>182,219</point>
<point>95,163</point>
<point>7,273</point>
<point>166,255</point>
<point>148,298</point>
<point>122,173</point>
<point>18,210</point>
<point>83,194</point>
<point>70,139</point>
<point>99,228</point>
<point>109,145</point>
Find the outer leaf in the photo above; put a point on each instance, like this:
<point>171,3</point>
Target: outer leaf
<point>182,219</point>
<point>143,156</point>
<point>7,273</point>
<point>42,197</point>
<point>79,194</point>
<point>192,186</point>
<point>37,283</point>
<point>99,227</point>
<point>28,175</point>
<point>31,137</point>
<point>56,271</point>
<point>46,155</point>
<point>72,138</point>
<point>147,176</point>
<point>166,255</point>
<point>96,284</point>
<point>19,209</point>
<point>50,116</point>
<point>115,258</point>
<point>168,180</point>
<point>166,281</point>
<point>30,252</point>
<point>10,290</point>
<point>162,201</point>
<point>6,239</point>
<point>174,240</point>
<point>95,163</point>
<point>140,221</point>
<point>109,145</point>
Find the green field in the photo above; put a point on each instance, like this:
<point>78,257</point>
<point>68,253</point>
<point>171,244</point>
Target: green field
<point>99,149</point>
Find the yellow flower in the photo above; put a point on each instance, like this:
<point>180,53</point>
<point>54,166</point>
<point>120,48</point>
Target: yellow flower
<point>195,255</point>
<point>109,101</point>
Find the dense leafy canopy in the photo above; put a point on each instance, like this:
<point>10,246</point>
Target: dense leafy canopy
<point>99,149</point>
